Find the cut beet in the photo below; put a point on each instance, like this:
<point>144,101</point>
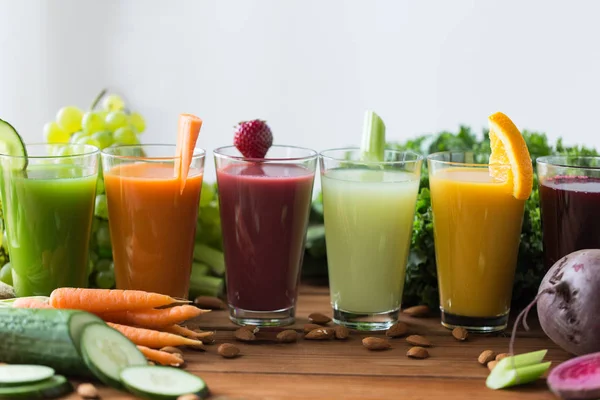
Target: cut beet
<point>577,379</point>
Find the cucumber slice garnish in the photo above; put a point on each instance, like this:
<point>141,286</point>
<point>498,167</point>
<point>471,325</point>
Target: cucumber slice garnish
<point>51,388</point>
<point>12,144</point>
<point>106,352</point>
<point>11,375</point>
<point>162,383</point>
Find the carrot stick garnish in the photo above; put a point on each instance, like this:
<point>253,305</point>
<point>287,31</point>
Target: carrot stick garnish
<point>153,318</point>
<point>187,135</point>
<point>154,339</point>
<point>104,300</point>
<point>161,357</point>
<point>183,331</point>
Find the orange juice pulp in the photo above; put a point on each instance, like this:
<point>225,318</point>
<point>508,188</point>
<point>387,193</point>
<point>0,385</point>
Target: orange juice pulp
<point>152,226</point>
<point>477,227</point>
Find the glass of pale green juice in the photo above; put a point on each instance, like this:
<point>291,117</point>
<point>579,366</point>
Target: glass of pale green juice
<point>369,208</point>
<point>48,205</point>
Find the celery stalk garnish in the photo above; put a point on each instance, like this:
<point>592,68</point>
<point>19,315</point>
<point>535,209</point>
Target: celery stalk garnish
<point>518,370</point>
<point>373,137</point>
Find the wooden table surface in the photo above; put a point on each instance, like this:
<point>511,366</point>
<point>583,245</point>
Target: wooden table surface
<point>346,370</point>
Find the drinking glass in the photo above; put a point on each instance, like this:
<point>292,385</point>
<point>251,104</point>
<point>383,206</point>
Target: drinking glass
<point>152,216</point>
<point>264,207</point>
<point>48,203</point>
<point>369,209</point>
<point>477,226</point>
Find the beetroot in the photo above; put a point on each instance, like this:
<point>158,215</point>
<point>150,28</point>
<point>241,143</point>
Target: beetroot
<point>578,378</point>
<point>568,302</point>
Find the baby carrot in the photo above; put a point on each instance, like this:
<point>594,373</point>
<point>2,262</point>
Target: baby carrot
<point>154,339</point>
<point>161,357</point>
<point>30,302</point>
<point>104,300</point>
<point>183,331</point>
<point>153,318</point>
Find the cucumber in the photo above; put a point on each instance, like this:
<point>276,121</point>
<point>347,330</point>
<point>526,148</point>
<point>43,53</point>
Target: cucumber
<point>11,375</point>
<point>106,352</point>
<point>162,383</point>
<point>44,337</point>
<point>12,144</point>
<point>53,387</point>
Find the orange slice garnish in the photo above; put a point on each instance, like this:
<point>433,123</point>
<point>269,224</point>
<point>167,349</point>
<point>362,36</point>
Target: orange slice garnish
<point>510,161</point>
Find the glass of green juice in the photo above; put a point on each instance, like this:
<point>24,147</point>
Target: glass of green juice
<point>48,205</point>
<point>369,208</point>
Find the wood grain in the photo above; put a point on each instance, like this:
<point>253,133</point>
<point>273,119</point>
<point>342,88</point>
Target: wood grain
<point>346,370</point>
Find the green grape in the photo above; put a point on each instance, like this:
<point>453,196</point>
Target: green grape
<point>93,121</point>
<point>113,102</point>
<point>105,279</point>
<point>101,209</point>
<point>93,256</point>
<point>88,140</point>
<point>104,138</point>
<point>105,252</point>
<point>90,267</point>
<point>78,135</point>
<point>100,186</point>
<point>69,119</point>
<point>54,134</point>
<point>103,238</point>
<point>104,265</point>
<point>6,274</point>
<point>137,121</point>
<point>115,120</point>
<point>125,135</point>
<point>207,194</point>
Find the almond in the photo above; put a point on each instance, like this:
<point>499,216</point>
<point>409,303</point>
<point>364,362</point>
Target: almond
<point>320,334</point>
<point>209,339</point>
<point>341,332</point>
<point>397,330</point>
<point>209,303</point>
<point>486,356</point>
<point>287,336</point>
<point>417,311</point>
<point>318,318</point>
<point>251,328</point>
<point>492,364</point>
<point>417,352</point>
<point>244,335</point>
<point>87,391</point>
<point>460,333</point>
<point>188,397</point>
<point>417,340</point>
<point>501,356</point>
<point>375,343</point>
<point>172,350</point>
<point>311,327</point>
<point>228,350</point>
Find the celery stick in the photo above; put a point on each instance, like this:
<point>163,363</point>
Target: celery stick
<point>212,257</point>
<point>502,378</point>
<point>200,269</point>
<point>205,286</point>
<point>373,137</point>
<point>522,360</point>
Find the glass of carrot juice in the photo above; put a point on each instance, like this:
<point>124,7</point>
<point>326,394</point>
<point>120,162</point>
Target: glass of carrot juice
<point>477,227</point>
<point>152,218</point>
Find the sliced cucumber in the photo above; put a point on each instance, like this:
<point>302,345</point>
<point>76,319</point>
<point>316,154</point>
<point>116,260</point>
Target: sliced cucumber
<point>11,375</point>
<point>106,352</point>
<point>53,387</point>
<point>162,383</point>
<point>12,144</point>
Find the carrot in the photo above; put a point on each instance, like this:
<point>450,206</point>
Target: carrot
<point>154,339</point>
<point>104,300</point>
<point>183,331</point>
<point>161,357</point>
<point>187,135</point>
<point>152,318</point>
<point>29,302</point>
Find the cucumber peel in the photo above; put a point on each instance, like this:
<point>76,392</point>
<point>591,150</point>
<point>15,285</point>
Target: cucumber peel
<point>12,144</point>
<point>50,388</point>
<point>518,370</point>
<point>373,138</point>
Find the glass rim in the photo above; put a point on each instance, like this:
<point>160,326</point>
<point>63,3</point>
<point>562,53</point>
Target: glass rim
<point>562,161</point>
<point>324,156</point>
<point>106,152</point>
<point>431,158</point>
<point>90,151</point>
<point>218,152</point>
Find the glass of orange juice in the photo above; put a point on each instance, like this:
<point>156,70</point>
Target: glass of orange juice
<point>477,226</point>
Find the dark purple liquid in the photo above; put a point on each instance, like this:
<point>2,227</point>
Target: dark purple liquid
<point>570,216</point>
<point>264,214</point>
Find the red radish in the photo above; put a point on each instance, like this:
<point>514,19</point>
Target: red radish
<point>578,378</point>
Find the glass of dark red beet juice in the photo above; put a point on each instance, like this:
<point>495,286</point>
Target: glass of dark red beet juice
<point>264,206</point>
<point>570,204</point>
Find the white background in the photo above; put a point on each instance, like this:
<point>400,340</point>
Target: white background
<point>309,67</point>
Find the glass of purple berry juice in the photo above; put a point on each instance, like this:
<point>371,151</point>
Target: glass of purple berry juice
<point>570,204</point>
